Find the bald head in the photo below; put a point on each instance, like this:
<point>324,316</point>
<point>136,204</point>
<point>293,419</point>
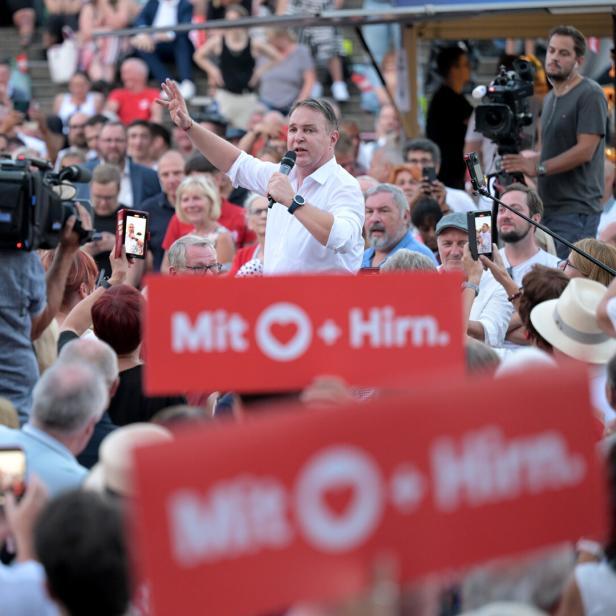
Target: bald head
<point>171,173</point>
<point>134,74</point>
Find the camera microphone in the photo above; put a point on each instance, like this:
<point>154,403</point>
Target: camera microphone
<point>479,92</point>
<point>75,173</point>
<point>286,164</point>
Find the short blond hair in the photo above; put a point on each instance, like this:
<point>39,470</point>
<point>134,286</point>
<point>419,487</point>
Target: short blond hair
<point>206,187</point>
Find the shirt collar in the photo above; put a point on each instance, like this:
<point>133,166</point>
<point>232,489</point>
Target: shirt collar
<point>324,172</point>
<point>47,440</point>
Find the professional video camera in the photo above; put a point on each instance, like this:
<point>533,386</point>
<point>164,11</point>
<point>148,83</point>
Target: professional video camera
<point>505,113</point>
<point>36,203</point>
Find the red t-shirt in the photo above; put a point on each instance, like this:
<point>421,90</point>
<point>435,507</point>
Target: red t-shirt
<point>231,217</point>
<point>134,105</point>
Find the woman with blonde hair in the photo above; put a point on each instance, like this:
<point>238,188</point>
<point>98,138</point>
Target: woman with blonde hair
<point>198,207</point>
<point>577,266</point>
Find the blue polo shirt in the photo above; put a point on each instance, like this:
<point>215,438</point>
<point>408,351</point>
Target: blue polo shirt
<point>407,241</point>
<point>46,457</point>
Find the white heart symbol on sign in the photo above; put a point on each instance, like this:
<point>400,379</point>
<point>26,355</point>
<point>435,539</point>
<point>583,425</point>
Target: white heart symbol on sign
<point>283,314</point>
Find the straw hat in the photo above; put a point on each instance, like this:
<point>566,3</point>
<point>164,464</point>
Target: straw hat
<point>114,470</point>
<point>569,323</point>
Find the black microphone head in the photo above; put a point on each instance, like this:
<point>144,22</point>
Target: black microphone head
<point>75,173</point>
<point>289,159</point>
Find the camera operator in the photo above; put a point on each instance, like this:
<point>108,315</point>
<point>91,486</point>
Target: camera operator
<point>30,300</point>
<point>573,123</point>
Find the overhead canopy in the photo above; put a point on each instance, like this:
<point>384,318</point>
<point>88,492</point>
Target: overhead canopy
<point>441,19</point>
<point>453,19</point>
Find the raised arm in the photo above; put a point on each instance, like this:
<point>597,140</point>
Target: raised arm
<point>219,152</point>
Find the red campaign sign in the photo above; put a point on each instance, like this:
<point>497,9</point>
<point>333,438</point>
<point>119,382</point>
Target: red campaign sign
<point>278,333</point>
<point>298,505</point>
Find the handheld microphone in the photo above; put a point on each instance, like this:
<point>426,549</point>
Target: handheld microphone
<point>286,164</point>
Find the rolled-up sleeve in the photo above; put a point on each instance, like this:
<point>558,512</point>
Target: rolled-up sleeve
<point>348,210</point>
<point>492,309</point>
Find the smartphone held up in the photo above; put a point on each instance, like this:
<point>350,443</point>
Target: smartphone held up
<point>480,233</point>
<point>132,233</point>
<point>12,472</point>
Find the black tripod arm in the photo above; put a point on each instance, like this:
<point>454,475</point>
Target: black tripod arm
<point>486,193</point>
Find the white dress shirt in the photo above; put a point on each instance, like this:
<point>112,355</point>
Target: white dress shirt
<point>126,187</point>
<point>289,247</point>
<point>492,309</point>
<point>166,15</point>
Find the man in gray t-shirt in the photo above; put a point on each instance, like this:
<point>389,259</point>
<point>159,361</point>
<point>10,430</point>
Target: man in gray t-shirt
<point>22,297</point>
<point>573,123</point>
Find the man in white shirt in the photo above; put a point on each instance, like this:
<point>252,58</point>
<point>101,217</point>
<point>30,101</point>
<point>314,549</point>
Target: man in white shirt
<point>316,221</point>
<point>490,312</point>
<point>424,153</point>
<point>520,250</point>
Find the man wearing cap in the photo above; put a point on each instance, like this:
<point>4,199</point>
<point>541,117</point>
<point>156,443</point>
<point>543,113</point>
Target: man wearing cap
<point>484,299</point>
<point>388,218</point>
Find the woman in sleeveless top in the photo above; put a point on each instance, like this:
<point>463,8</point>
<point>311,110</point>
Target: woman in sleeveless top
<point>78,98</point>
<point>98,57</point>
<point>229,59</point>
<point>197,210</point>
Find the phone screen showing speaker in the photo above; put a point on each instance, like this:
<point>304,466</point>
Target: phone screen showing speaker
<point>135,234</point>
<point>12,472</point>
<point>483,232</point>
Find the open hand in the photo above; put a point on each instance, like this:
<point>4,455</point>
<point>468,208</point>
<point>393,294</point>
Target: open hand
<point>175,103</point>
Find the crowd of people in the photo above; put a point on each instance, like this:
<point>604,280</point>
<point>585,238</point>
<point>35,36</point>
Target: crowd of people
<point>71,362</point>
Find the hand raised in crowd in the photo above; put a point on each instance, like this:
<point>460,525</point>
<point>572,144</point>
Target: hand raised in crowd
<point>473,269</point>
<point>176,105</point>
<point>437,191</point>
<point>516,163</point>
<point>280,190</point>
<point>500,273</point>
<point>119,267</point>
<point>104,244</point>
<point>21,517</point>
<point>69,239</point>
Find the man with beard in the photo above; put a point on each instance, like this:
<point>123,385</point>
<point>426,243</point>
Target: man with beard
<point>573,124</point>
<point>138,182</point>
<point>387,226</point>
<point>520,251</point>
